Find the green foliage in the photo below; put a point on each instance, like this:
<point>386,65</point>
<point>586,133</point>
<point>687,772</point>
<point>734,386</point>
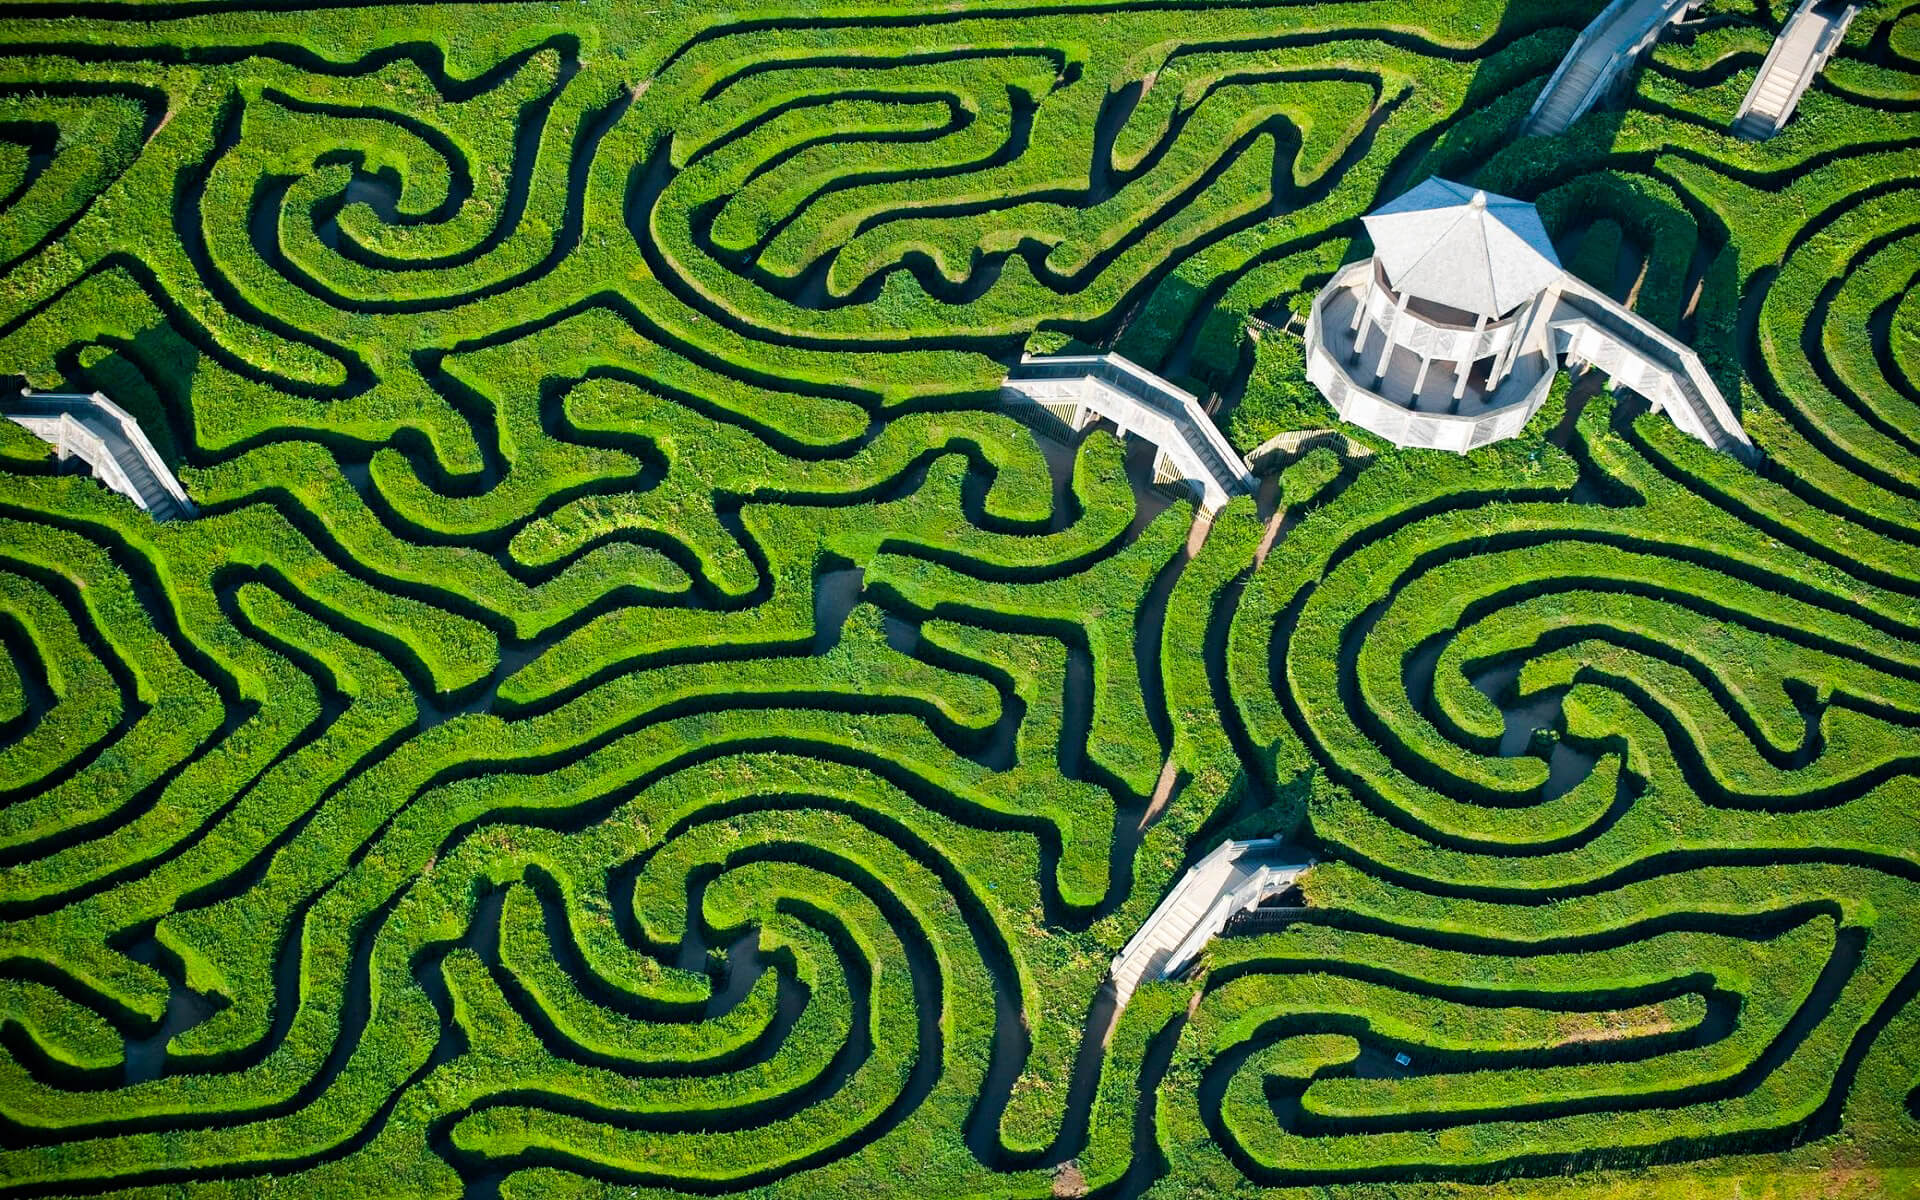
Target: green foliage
<point>1278,398</point>
<point>1308,476</point>
<point>1598,257</point>
<point>632,716</point>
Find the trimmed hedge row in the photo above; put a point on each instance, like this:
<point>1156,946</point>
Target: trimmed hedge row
<point>1718,1088</point>
<point>1392,803</point>
<point>628,717</point>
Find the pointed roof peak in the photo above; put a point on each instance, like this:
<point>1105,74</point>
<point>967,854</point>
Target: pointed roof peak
<point>1463,247</point>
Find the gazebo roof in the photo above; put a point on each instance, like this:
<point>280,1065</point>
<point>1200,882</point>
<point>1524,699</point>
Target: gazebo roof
<point>1468,249</point>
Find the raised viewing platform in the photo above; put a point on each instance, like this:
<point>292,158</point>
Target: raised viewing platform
<point>1080,389</point>
<point>1427,407</point>
<point>1450,336</point>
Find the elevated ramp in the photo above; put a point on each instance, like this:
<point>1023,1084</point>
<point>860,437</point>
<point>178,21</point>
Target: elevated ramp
<point>1590,326</point>
<point>1079,389</point>
<point>105,437</point>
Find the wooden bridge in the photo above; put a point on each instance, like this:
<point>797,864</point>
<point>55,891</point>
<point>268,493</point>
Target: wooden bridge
<point>1598,59</point>
<point>1234,877</point>
<point>1805,44</point>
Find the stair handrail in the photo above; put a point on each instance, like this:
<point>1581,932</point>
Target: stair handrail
<point>1567,60</point>
<point>1220,465</point>
<point>1766,64</point>
<point>91,448</point>
<point>1169,400</point>
<point>1252,890</point>
<point>1216,916</point>
<point>1172,897</point>
<point>1696,386</point>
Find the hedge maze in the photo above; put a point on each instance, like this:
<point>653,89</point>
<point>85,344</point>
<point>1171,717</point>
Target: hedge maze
<point>636,715</point>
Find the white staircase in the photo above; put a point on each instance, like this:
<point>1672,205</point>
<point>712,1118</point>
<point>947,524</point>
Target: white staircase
<point>108,439</point>
<point>1589,326</point>
<point>1080,389</point>
<point>1563,104</point>
<point>1235,876</point>
<point>1604,50</point>
<point>1808,40</point>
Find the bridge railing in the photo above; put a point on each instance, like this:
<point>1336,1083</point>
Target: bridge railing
<point>1161,403</point>
<point>1609,74</point>
<point>1684,370</point>
<point>1251,891</point>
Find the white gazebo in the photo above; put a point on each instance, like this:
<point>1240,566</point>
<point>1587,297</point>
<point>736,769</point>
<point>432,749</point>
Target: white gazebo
<point>1450,335</point>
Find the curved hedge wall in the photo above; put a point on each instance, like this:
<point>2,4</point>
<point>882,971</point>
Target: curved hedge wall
<point>635,715</point>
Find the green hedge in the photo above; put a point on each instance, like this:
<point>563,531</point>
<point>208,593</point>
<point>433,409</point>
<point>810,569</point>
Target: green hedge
<point>508,651</point>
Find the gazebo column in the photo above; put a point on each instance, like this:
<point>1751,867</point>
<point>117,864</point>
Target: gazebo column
<point>1393,327</point>
<point>1463,365</point>
<point>1502,362</point>
<point>1363,320</point>
<point>1505,362</point>
<point>1420,377</point>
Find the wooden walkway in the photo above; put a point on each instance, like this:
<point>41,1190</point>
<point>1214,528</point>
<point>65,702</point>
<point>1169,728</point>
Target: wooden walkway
<point>1591,327</point>
<point>1809,39</point>
<point>1079,389</point>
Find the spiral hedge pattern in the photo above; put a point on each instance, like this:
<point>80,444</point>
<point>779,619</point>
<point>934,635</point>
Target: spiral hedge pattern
<point>636,716</point>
